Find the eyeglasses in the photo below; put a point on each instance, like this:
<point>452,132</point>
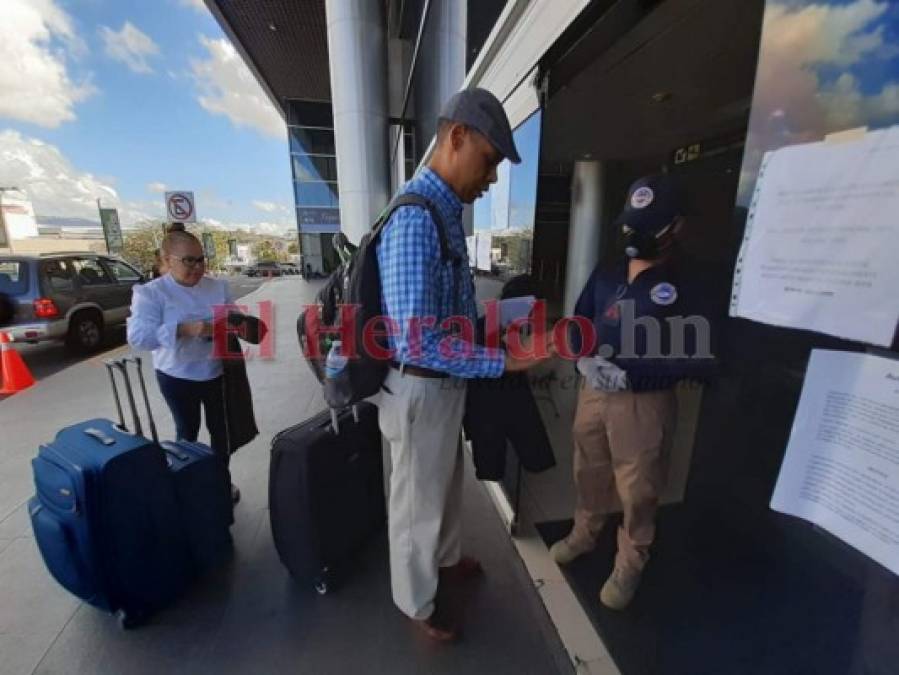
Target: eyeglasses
<point>191,261</point>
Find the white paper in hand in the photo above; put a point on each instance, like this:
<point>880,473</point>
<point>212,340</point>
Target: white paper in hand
<point>512,309</point>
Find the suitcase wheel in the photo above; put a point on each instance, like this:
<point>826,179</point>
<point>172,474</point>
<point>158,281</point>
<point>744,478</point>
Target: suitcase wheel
<point>129,620</point>
<point>322,582</point>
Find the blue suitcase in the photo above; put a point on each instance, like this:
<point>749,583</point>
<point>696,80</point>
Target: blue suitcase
<point>203,490</point>
<point>106,518</point>
<point>203,487</point>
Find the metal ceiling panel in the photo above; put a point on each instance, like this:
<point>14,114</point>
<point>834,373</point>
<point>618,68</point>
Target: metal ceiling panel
<point>285,42</point>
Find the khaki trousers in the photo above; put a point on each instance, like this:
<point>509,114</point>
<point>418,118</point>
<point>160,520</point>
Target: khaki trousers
<point>421,418</point>
<point>621,449</point>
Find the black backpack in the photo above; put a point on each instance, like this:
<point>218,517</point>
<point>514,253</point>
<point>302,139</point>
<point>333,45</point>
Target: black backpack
<point>357,282</point>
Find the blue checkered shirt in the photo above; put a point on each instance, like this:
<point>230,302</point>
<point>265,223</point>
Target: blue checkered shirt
<point>417,286</point>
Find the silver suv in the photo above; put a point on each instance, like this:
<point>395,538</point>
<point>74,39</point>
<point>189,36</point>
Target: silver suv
<point>66,296</point>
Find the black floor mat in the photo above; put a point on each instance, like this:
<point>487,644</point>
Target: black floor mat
<point>713,601</point>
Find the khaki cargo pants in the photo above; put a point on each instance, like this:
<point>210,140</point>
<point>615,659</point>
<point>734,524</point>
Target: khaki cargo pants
<point>621,448</point>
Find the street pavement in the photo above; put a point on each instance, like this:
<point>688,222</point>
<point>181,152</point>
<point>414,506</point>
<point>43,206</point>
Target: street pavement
<point>249,616</point>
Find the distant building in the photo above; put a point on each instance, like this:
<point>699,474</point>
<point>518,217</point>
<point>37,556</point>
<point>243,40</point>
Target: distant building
<point>242,260</point>
<point>23,232</point>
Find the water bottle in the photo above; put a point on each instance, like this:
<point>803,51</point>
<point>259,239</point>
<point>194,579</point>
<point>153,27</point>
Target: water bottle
<point>336,361</point>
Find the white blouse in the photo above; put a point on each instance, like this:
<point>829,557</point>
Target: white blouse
<point>158,307</point>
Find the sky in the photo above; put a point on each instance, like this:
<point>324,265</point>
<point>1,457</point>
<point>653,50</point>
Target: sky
<point>824,66</point>
<point>123,99</point>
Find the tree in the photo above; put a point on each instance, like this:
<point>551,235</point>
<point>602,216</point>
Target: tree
<point>140,245</point>
<point>293,248</point>
<point>266,249</point>
<point>220,240</point>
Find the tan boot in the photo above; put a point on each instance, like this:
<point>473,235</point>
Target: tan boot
<point>619,589</point>
<point>566,550</point>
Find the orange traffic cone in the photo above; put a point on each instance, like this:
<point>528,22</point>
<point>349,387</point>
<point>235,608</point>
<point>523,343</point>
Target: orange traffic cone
<point>16,375</point>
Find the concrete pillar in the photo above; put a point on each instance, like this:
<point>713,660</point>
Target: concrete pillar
<point>357,54</point>
<point>587,199</point>
<point>441,64</point>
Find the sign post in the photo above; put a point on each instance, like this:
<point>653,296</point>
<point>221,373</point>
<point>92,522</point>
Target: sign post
<point>4,238</point>
<point>112,230</point>
<point>209,246</point>
<point>180,207</point>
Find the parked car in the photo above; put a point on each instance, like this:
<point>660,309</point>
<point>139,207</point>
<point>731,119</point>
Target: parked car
<point>265,268</point>
<point>66,296</point>
<point>290,268</point>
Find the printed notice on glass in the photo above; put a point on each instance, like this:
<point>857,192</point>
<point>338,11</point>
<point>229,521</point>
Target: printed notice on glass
<point>820,248</point>
<point>841,468</point>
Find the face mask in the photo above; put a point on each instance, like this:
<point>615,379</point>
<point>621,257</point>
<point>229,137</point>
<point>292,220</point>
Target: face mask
<point>647,246</point>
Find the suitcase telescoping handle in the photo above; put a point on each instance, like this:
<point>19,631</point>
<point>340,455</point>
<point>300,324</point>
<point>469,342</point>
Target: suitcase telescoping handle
<point>136,360</point>
<point>115,394</point>
<point>335,426</point>
<point>122,366</point>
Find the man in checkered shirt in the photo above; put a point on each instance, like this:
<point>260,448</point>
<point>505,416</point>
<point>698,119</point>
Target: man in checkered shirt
<point>420,410</point>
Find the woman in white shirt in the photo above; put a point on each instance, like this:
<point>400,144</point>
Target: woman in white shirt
<point>172,317</point>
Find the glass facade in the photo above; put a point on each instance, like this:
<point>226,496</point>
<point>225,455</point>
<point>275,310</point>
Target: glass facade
<point>313,161</point>
<point>501,245</point>
<point>825,66</point>
<point>733,586</point>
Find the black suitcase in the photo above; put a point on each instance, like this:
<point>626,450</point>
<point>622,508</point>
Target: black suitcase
<point>326,492</point>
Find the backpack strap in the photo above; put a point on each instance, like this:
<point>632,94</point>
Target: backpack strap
<point>446,255</point>
<point>413,199</point>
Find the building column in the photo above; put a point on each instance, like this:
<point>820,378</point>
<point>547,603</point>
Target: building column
<point>587,201</point>
<point>441,64</point>
<point>357,53</point>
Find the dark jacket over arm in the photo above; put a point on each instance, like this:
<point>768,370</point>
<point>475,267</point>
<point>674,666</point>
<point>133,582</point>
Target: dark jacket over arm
<point>239,415</point>
<point>502,411</point>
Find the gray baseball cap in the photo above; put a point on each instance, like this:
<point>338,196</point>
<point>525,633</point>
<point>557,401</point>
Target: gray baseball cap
<point>482,111</point>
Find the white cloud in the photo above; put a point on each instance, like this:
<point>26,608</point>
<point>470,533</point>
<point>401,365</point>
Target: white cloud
<point>156,188</point>
<point>36,40</point>
<point>831,34</point>
<point>227,87</point>
<point>264,227</point>
<point>198,5</point>
<point>270,207</point>
<point>791,103</point>
<point>55,187</point>
<point>274,229</point>
<point>130,46</point>
<point>797,41</point>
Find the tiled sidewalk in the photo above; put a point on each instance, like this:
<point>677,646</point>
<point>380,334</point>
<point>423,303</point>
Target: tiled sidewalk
<point>250,617</point>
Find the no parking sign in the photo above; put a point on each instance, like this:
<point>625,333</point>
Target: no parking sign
<point>180,207</point>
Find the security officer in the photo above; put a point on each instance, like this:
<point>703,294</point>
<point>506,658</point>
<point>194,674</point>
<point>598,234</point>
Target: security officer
<point>626,407</point>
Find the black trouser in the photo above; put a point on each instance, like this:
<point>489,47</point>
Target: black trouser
<point>184,398</point>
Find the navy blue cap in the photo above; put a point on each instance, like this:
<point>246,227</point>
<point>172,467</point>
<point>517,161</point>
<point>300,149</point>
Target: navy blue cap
<point>652,203</point>
<point>482,111</point>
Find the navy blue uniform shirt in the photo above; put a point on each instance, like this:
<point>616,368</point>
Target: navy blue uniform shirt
<point>656,328</point>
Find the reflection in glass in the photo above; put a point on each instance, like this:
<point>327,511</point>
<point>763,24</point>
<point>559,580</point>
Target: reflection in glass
<point>311,141</point>
<point>314,167</point>
<point>824,66</point>
<point>504,216</point>
<point>310,114</point>
<point>317,194</point>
